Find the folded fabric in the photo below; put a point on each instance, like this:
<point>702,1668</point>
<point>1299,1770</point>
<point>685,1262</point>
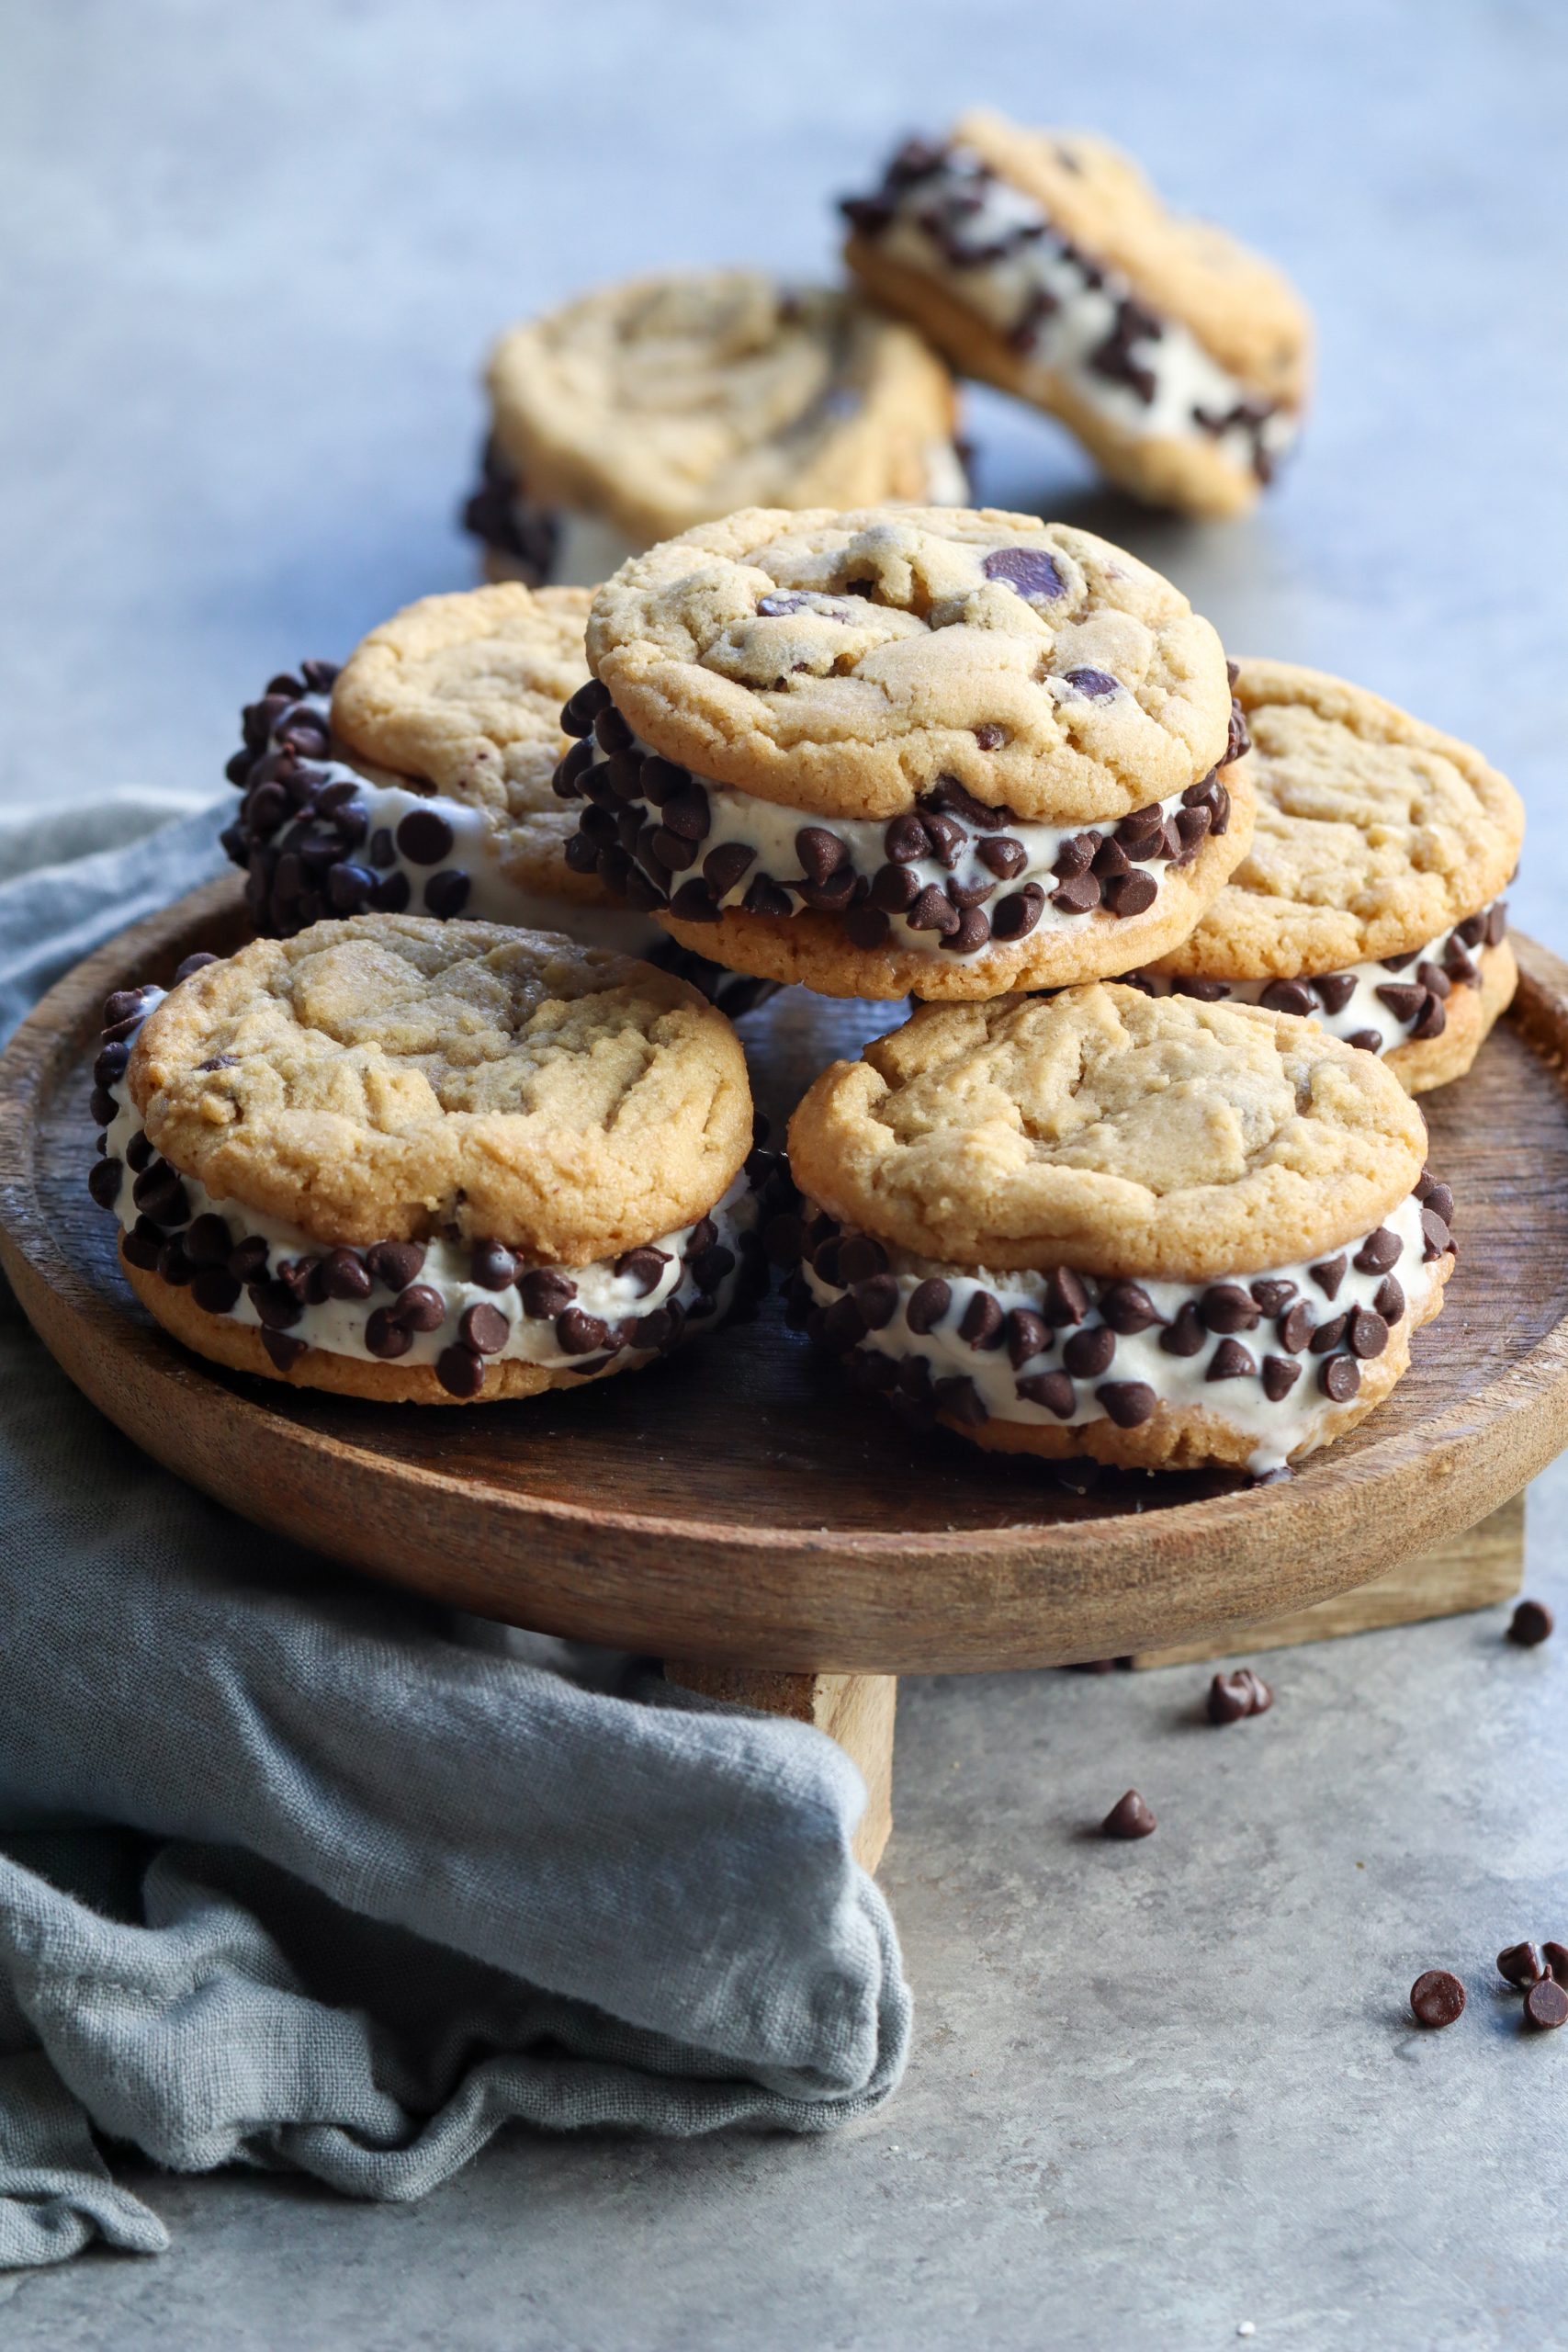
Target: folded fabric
<point>291,1876</point>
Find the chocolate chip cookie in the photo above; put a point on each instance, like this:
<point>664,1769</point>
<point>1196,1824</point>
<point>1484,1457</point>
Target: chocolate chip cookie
<point>1045,261</point>
<point>940,751</point>
<point>639,410</point>
<point>1159,1232</point>
<point>425,1161</point>
<point>1371,898</point>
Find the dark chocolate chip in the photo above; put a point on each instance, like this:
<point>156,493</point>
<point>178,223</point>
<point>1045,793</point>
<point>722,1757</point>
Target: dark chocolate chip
<point>1287,996</point>
<point>711,1266</point>
<point>1272,1295</point>
<point>927,1302</point>
<point>877,1299</point>
<point>1089,1351</point>
<point>460,1369</point>
<point>645,1266</point>
<point>724,867</point>
<point>484,1328</point>
<point>974,932</point>
<point>1556,1958</point>
<point>215,1289</point>
<point>1074,855</point>
<point>1367,1041</point>
<point>446,894</point>
<point>1128,1308</point>
<point>1131,894</point>
<point>173,1266</point>
<point>686,812</point>
<point>1440,1201</point>
<point>1338,1377</point>
<point>1230,1361</point>
<point>544,1293</point>
<point>1028,570</point>
<point>866,927</point>
<point>1015,916</point>
<point>425,837</point>
<point>193,963</point>
<point>1079,896</point>
<point>1097,685</point>
<point>351,887</point>
<point>1053,1391</point>
<point>247,1260</point>
<point>960,1400</point>
<point>583,708</point>
<point>109,1067</point>
<point>104,1180</point>
<point>1225,1306</point>
<point>1185,1334</point>
<point>820,852</point>
<point>694,902</point>
<point>1280,1374</point>
<point>345,1275</point>
<point>1368,1333</point>
<point>1001,855</point>
<point>396,1263</point>
<point>1238,1694</point>
<point>1522,1964</point>
<point>982,1323</point>
<point>1128,1818</point>
<point>142,1246</point>
<point>419,1308</point>
<point>1436,1238</point>
<point>1295,1327</point>
<point>895,889</point>
<point>276,1304</point>
<point>1327,1336</point>
<point>861,1255</point>
<point>1379,1251</point>
<point>1329,1276</point>
<point>1530,1625</point>
<point>284,1352</point>
<point>1065,1299</point>
<point>1129,1403</point>
<point>1403,1000</point>
<point>1546,2006</point>
<point>578,1334</point>
<point>1437,1999</point>
<point>139,1153</point>
<point>663,852</point>
<point>905,840</point>
<point>1389,1300</point>
<point>493,1265</point>
<point>1027,1334</point>
<point>933,910</point>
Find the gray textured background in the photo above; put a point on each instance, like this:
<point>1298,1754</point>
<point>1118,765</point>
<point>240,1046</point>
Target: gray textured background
<point>251,258</point>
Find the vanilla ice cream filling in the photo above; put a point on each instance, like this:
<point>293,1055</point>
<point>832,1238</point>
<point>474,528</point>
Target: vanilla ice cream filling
<point>982,877</point>
<point>1342,1323</point>
<point>694,1276</point>
<point>997,251</point>
<point>1375,1006</point>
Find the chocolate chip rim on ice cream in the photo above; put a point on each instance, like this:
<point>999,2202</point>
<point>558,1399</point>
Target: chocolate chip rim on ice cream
<point>417,779</point>
<point>1045,262</point>
<point>1162,1233</point>
<point>429,1163</point>
<point>1370,899</point>
<point>945,751</point>
<point>642,408</point>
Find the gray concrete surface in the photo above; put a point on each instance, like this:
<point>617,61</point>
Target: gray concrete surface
<point>251,258</point>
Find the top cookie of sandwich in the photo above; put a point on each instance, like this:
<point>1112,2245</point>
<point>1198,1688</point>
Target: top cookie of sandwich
<point>666,400</point>
<point>1242,308</point>
<point>846,663</point>
<point>464,693</point>
<point>1119,1134</point>
<point>390,1076</point>
<point>1374,834</point>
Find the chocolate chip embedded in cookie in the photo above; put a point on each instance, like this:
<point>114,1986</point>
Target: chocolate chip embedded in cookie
<point>1158,1232</point>
<point>642,409</point>
<point>423,1161</point>
<point>1370,898</point>
<point>938,751</point>
<point>418,779</point>
<point>1045,261</point>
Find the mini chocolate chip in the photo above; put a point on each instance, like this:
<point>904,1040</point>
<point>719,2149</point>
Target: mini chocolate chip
<point>1378,1252</point>
<point>722,867</point>
<point>351,887</point>
<point>1017,915</point>
<point>933,910</point>
<point>1440,1201</point>
<point>1389,1300</point>
<point>1097,685</point>
<point>142,1245</point>
<point>1294,1328</point>
<point>1530,1625</point>
<point>1185,1334</point>
<point>610,730</point>
<point>820,852</point>
<point>1053,1391</point>
<point>1110,860</point>
<point>1338,1377</point>
<point>109,1067</point>
<point>247,1260</point>
<point>645,1266</point>
<point>1432,1019</point>
<point>125,1004</point>
<point>866,927</point>
<point>284,1352</point>
<point>1367,1041</point>
<point>1077,896</point>
<point>215,1290</point>
<point>860,1257</point>
<point>1131,894</point>
<point>1201,991</point>
<point>1329,1276</point>
<point>928,1303</point>
<point>877,1299</point>
<point>1128,1308</point>
<point>1128,1818</point>
<point>662,777</point>
<point>960,1400</point>
<point>1192,825</point>
<point>945,834</point>
<point>905,840</point>
<point>1065,1299</point>
<point>1001,855</point>
<point>974,932</point>
<point>1546,2006</point>
<point>686,812</point>
<point>666,850</point>
<point>1027,1334</point>
<point>276,1304</point>
<point>425,837</point>
<point>1129,1403</point>
<point>711,1266</point>
<point>1437,1999</point>
<point>460,1369</point>
<point>173,1266</point>
<point>493,1265</point>
<point>1287,996</point>
<point>419,1308</point>
<point>345,1275</point>
<point>1403,1000</point>
<point>1432,976</point>
<point>446,894</point>
<point>1225,1306</point>
<point>545,1294</point>
<point>1272,1295</point>
<point>1333,990</point>
<point>1089,1352</point>
<point>1327,1336</point>
<point>104,1180</point>
<point>578,1334</point>
<point>1435,1234</point>
<point>139,1153</point>
<point>1368,1333</point>
<point>983,1321</point>
<point>1230,1361</point>
<point>1075,856</point>
<point>1233,1696</point>
<point>1028,570</point>
<point>895,889</point>
<point>567,781</point>
<point>694,902</point>
<point>485,1329</point>
<point>1522,1964</point>
<point>1280,1374</point>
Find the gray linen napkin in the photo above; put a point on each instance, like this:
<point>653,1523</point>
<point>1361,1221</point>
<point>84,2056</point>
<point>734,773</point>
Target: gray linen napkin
<point>291,1876</point>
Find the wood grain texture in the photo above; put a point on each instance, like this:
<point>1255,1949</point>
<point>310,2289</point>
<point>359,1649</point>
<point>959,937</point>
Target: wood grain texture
<point>1475,1569</point>
<point>857,1710</point>
<point>742,1504</point>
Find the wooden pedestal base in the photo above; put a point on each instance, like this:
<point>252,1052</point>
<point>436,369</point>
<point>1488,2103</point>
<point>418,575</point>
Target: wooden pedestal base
<point>1475,1570</point>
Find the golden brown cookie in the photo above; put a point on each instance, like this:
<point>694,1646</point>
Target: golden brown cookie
<point>400,1158</point>
<point>1154,1230</point>
<point>1045,261</point>
<point>1371,897</point>
<point>953,751</point>
<point>646,407</point>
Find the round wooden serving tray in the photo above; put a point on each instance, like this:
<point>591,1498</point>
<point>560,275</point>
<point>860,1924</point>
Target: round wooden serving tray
<point>742,1504</point>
